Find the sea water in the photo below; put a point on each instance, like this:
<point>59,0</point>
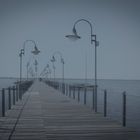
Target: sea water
<point>114,88</point>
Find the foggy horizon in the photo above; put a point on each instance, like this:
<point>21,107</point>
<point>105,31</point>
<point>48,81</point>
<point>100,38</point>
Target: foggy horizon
<point>116,24</point>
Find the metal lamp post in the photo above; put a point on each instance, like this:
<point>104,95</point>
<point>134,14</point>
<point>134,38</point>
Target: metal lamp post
<point>62,61</point>
<point>75,36</point>
<point>36,63</point>
<point>53,60</point>
<point>20,55</point>
<point>22,52</point>
<point>28,64</point>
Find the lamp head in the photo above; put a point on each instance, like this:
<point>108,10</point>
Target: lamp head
<point>36,51</point>
<point>74,36</point>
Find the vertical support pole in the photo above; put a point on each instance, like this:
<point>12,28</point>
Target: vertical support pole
<point>78,94</point>
<point>69,91</point>
<point>105,103</point>
<point>17,96</point>
<point>124,109</point>
<point>20,90</point>
<point>73,92</point>
<point>96,104</point>
<point>85,95</point>
<point>9,97</point>
<point>66,89</point>
<point>3,102</point>
<point>14,97</point>
<point>93,99</point>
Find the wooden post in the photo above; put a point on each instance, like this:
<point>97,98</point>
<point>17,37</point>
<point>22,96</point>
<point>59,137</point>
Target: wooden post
<point>14,97</point>
<point>93,99</point>
<point>20,91</point>
<point>66,89</point>
<point>79,94</point>
<point>3,102</point>
<point>124,109</point>
<point>73,92</point>
<point>17,95</point>
<point>85,95</point>
<point>9,97</point>
<point>69,91</point>
<point>105,103</point>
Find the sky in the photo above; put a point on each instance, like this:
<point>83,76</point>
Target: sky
<point>115,22</point>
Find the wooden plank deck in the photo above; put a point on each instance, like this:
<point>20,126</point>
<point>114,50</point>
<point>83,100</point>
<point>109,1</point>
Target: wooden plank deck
<point>46,114</point>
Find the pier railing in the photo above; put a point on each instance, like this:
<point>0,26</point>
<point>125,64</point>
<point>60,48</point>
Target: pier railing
<point>113,105</point>
<point>11,95</point>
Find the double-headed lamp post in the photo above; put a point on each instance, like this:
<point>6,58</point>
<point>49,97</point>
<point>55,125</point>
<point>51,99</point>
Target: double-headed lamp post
<point>62,61</point>
<point>75,36</point>
<point>22,52</point>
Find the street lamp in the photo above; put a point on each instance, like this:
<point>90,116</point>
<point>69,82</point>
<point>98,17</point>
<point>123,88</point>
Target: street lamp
<point>36,63</point>
<point>22,52</point>
<point>53,60</point>
<point>75,36</point>
<point>62,61</point>
<point>28,64</point>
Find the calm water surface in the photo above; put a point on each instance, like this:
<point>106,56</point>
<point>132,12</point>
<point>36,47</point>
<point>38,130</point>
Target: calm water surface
<point>114,97</point>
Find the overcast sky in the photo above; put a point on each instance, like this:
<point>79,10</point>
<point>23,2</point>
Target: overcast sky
<point>115,22</point>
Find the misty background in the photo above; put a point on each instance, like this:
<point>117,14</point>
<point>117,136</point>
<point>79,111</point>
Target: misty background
<point>115,22</point>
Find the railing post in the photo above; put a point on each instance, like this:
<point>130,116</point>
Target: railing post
<point>93,99</point>
<point>124,109</point>
<point>73,92</point>
<point>14,97</point>
<point>105,103</point>
<point>17,96</point>
<point>9,97</point>
<point>85,95</point>
<point>3,102</point>
<point>78,94</point>
<point>66,89</point>
<point>69,91</point>
<point>20,91</point>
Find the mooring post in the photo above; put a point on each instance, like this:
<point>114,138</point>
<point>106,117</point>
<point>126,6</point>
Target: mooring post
<point>85,95</point>
<point>93,99</point>
<point>14,97</point>
<point>78,94</point>
<point>73,92</point>
<point>105,103</point>
<point>69,90</point>
<point>17,95</point>
<point>9,98</point>
<point>124,109</point>
<point>3,102</point>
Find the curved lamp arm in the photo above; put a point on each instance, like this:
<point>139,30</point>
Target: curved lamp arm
<point>74,29</point>
<point>75,36</point>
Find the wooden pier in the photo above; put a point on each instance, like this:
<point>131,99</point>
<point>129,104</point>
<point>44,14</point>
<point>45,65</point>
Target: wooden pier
<point>46,114</point>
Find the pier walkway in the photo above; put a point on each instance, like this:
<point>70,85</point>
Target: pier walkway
<point>46,114</point>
